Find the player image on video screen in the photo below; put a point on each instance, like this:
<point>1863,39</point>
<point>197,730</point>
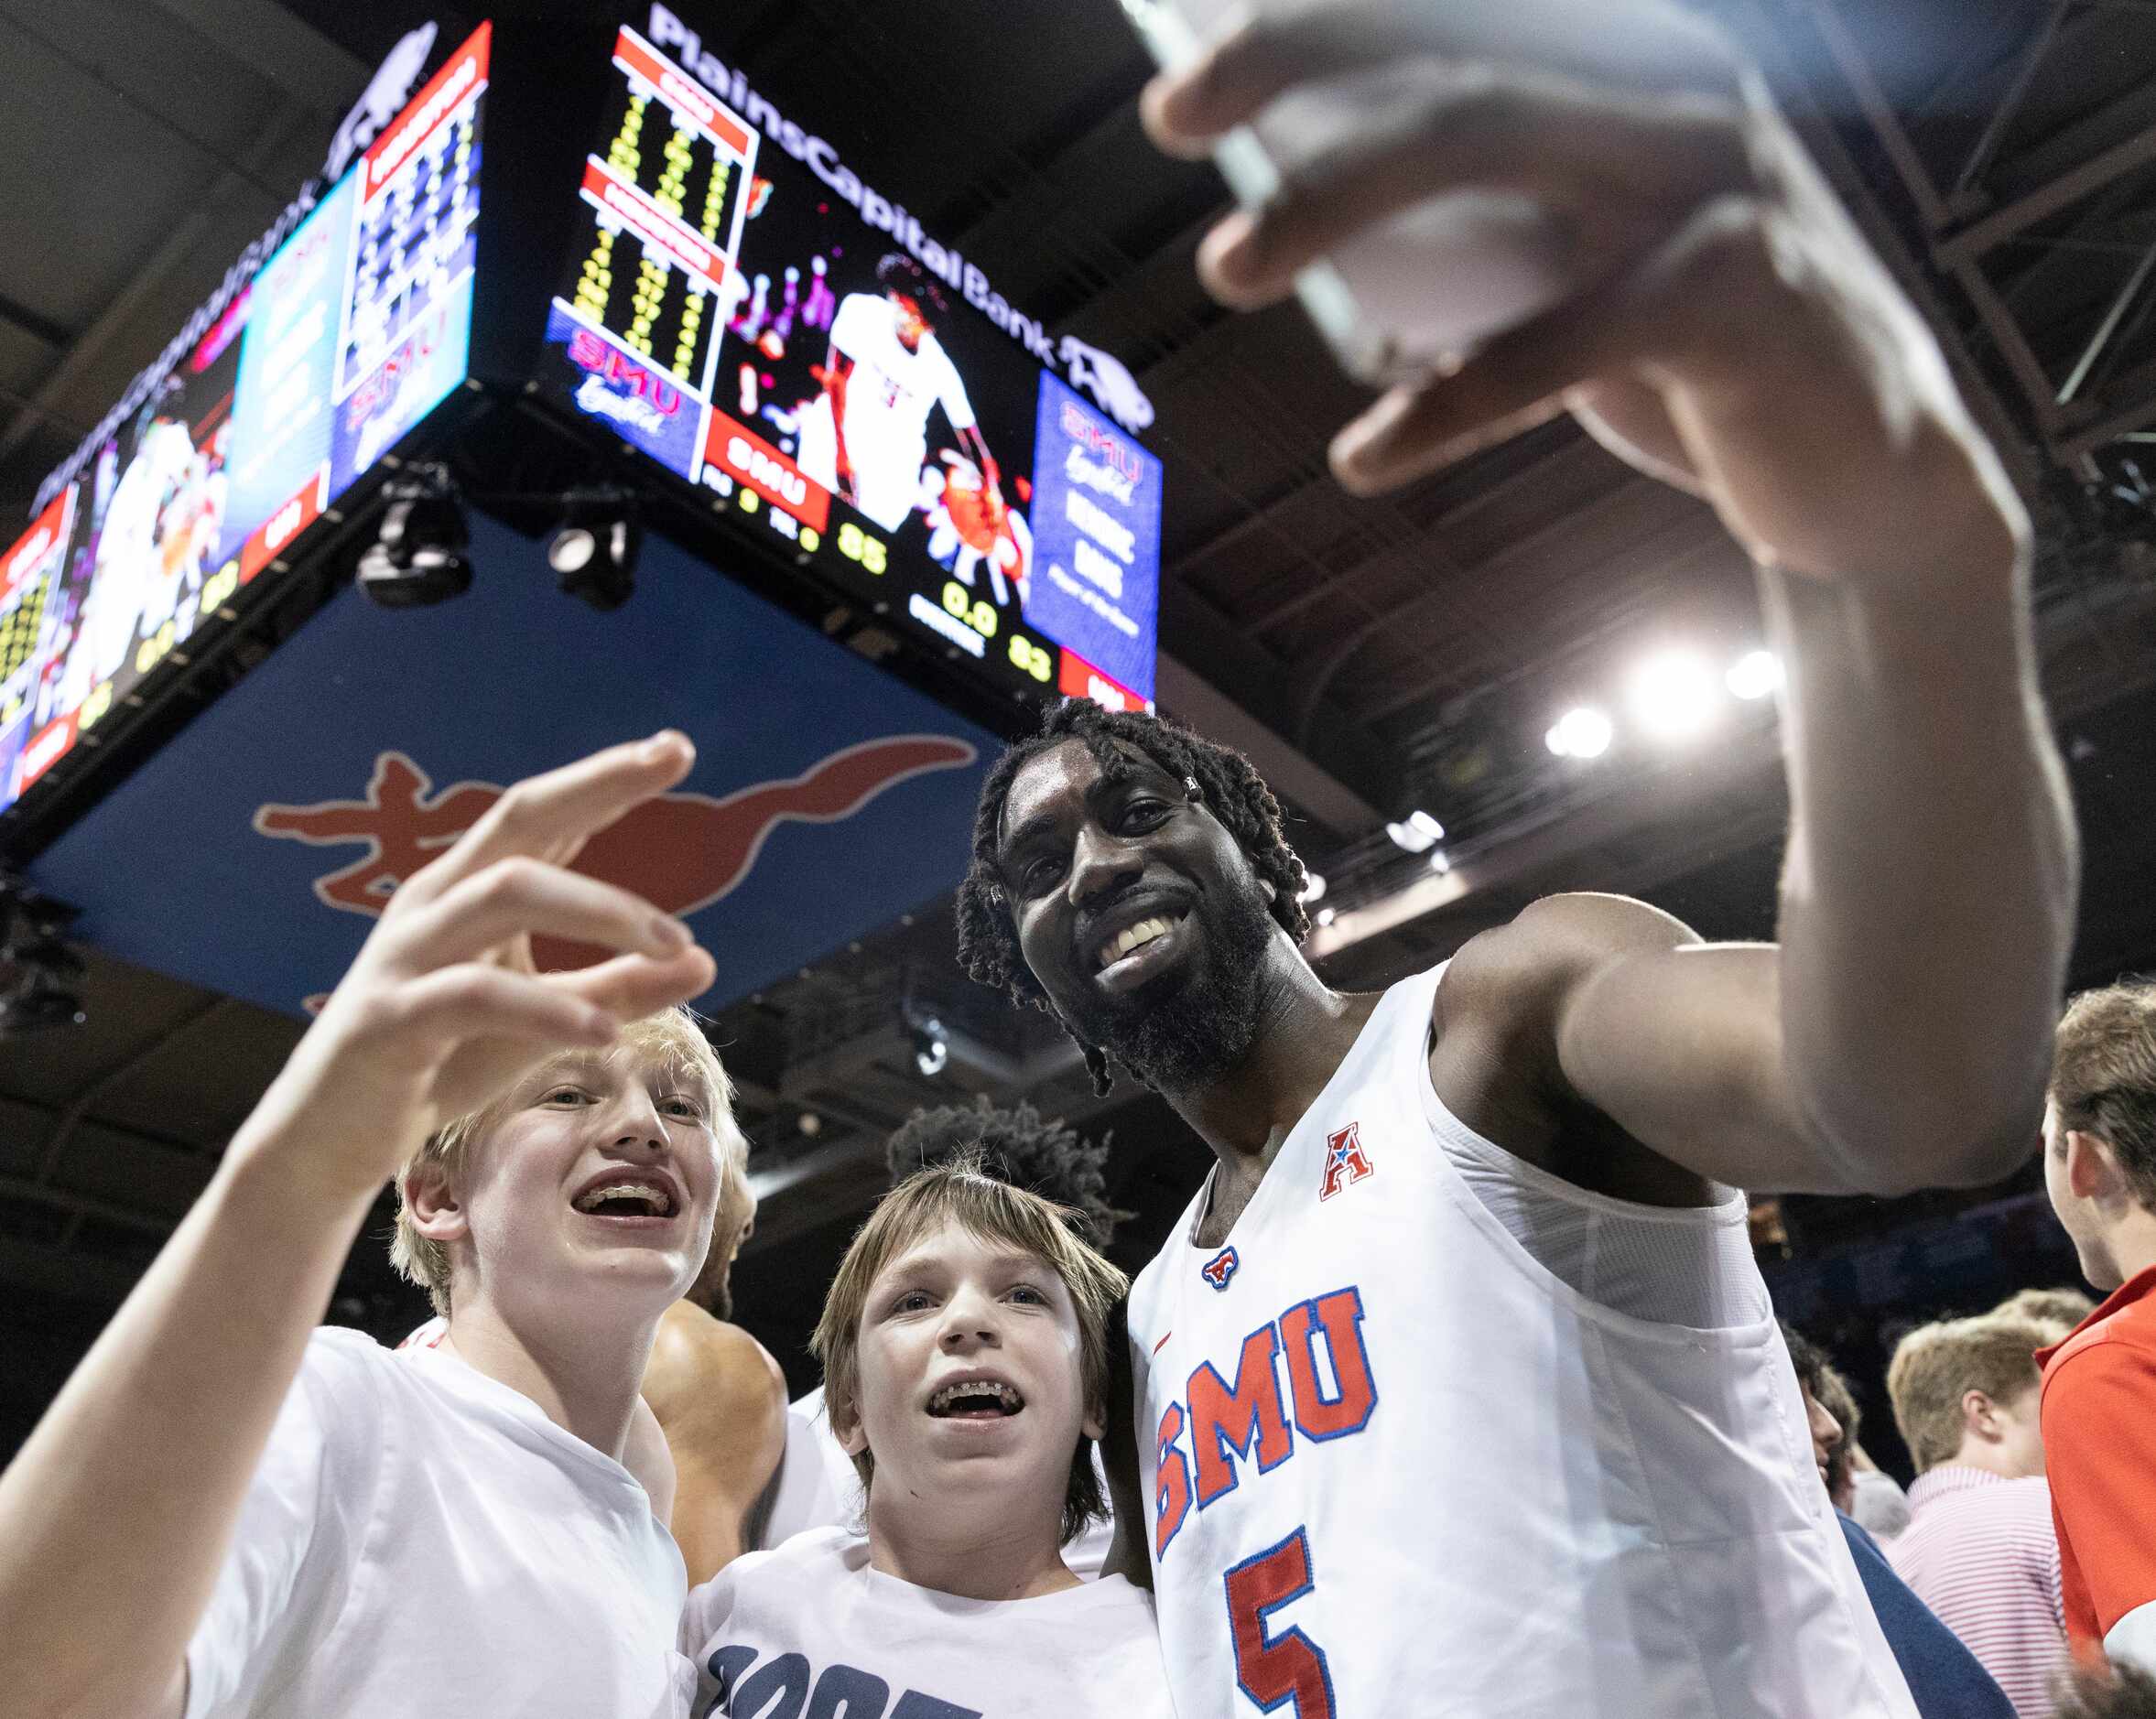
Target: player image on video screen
<point>865,437</point>
<point>155,513</point>
<point>882,387</point>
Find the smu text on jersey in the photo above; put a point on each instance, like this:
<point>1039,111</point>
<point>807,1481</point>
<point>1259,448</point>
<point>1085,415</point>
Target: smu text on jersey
<point>1329,1393</point>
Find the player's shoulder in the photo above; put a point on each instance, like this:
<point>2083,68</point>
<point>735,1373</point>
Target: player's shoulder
<point>700,1363</point>
<point>689,1335</point>
<point>1551,943</point>
<point>1578,924</point>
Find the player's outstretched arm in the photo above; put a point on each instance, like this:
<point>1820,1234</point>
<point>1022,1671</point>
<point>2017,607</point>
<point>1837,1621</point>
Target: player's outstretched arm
<point>1732,334</point>
<point>116,1515</point>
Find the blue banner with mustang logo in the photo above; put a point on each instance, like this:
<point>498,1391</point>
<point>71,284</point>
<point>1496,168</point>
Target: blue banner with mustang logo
<point>253,852</point>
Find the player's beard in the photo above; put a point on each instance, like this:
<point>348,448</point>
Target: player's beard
<point>1177,1039</point>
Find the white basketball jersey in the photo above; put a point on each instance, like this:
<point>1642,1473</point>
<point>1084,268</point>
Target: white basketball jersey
<point>1394,1467</point>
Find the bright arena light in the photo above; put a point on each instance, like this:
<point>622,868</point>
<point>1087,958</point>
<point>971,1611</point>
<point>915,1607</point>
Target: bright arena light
<point>1419,834</point>
<point>1754,675</point>
<point>1580,734</point>
<point>1313,887</point>
<point>1672,695</point>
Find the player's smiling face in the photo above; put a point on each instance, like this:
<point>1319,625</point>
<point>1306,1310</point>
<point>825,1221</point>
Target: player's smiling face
<point>1136,911</point>
<point>913,325</point>
<point>970,1383</point>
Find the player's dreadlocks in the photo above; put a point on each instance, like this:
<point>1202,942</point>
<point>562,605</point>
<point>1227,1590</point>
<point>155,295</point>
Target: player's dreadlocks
<point>1041,1154</point>
<point>1232,791</point>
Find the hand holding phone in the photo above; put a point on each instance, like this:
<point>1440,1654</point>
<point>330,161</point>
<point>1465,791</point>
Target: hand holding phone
<point>1417,286</point>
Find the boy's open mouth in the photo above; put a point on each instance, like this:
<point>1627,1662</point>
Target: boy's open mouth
<point>975,1399</point>
<point>627,1196</point>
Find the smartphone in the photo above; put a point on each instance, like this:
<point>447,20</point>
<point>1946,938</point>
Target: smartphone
<point>1403,296</point>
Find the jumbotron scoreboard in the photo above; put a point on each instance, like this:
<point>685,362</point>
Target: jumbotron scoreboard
<point>744,309</point>
<point>821,396</point>
<point>295,380</point>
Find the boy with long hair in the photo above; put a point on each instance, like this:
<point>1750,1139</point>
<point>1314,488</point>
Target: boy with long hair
<point>965,1348</point>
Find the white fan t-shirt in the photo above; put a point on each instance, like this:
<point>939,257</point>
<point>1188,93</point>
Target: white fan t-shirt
<point>419,1539</point>
<point>812,1628</point>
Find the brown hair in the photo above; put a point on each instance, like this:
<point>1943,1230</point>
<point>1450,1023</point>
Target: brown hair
<point>2119,1690</point>
<point>670,1037</point>
<point>1936,1365</point>
<point>2104,1076</point>
<point>2061,1309</point>
<point>962,1192</point>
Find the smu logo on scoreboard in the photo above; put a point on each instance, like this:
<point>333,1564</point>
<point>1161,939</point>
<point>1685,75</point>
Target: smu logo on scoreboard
<point>638,400</point>
<point>680,852</point>
<point>1331,1394</point>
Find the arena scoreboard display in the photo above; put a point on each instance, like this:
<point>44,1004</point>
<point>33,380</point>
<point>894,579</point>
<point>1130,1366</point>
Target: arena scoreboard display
<point>336,334</point>
<point>741,307</point>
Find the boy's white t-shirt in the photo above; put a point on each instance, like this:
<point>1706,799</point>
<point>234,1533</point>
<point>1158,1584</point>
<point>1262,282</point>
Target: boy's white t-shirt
<point>810,1627</point>
<point>419,1539</point>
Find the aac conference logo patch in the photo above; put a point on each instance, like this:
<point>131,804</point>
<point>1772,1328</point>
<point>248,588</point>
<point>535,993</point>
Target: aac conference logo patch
<point>1346,1163</point>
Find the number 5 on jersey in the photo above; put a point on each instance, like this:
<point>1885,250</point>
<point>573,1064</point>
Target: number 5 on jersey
<point>1276,1670</point>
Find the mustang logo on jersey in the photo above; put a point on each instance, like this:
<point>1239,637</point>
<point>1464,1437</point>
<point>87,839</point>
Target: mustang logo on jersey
<point>1330,1394</point>
<point>1217,1269</point>
<point>1345,1161</point>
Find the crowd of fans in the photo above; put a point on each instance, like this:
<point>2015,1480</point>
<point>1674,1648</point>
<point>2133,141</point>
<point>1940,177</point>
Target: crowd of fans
<point>2016,1573</point>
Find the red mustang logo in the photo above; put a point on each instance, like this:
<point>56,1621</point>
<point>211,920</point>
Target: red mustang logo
<point>681,852</point>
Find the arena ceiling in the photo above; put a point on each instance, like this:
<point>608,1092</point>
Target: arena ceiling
<point>1376,657</point>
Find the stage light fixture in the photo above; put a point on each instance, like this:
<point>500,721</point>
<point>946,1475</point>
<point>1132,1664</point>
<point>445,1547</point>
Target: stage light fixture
<point>1418,834</point>
<point>1440,861</point>
<point>1672,695</point>
<point>931,1049</point>
<point>1754,675</point>
<point>593,551</point>
<point>1580,732</point>
<point>418,555</point>
<point>40,1003</point>
<point>38,962</point>
<point>1313,888</point>
<point>1325,916</point>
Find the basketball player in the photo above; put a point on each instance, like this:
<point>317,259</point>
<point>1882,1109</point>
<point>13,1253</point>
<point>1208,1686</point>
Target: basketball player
<point>229,1512</point>
<point>721,1400</point>
<point>1458,1392</point>
<point>965,1344</point>
<point>868,437</point>
<point>141,550</point>
<point>820,1486</point>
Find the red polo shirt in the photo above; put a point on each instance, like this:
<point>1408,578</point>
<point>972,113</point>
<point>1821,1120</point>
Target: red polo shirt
<point>2099,1444</point>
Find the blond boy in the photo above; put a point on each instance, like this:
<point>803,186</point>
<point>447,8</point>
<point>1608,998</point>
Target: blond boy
<point>1979,1548</point>
<point>229,1512</point>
